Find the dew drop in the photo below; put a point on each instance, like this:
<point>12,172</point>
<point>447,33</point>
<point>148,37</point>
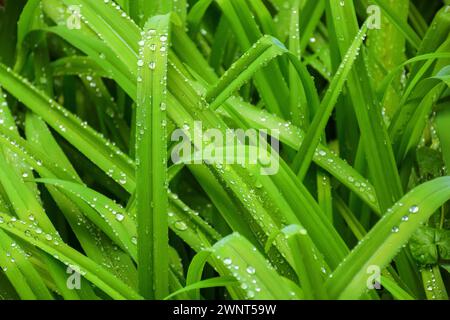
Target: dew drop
<point>250,270</point>
<point>181,226</point>
<point>414,209</point>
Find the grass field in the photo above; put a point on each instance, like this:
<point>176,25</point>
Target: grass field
<point>336,114</point>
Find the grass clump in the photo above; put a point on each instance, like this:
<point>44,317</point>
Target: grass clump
<point>349,98</point>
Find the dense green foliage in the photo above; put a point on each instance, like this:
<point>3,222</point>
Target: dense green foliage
<point>92,205</point>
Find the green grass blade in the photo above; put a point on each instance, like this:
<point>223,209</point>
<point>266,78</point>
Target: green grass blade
<point>257,278</point>
<point>402,26</point>
<point>309,270</point>
<point>387,237</point>
<point>304,156</point>
<point>88,141</point>
<point>195,271</point>
<point>112,219</point>
<point>151,156</point>
<point>208,283</point>
<point>90,270</point>
<point>395,290</point>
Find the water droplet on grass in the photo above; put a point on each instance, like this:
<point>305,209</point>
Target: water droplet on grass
<point>250,270</point>
<point>180,225</point>
<point>414,209</point>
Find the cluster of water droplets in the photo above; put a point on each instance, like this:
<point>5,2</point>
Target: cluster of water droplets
<point>431,285</point>
<point>3,107</point>
<point>414,209</point>
<point>153,49</point>
<point>78,125</point>
<point>182,218</point>
<point>32,230</point>
<point>13,254</point>
<point>327,159</point>
<point>245,274</point>
<point>154,42</point>
<point>122,13</point>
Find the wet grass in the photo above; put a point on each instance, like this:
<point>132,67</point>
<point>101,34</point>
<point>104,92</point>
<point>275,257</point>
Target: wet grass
<point>356,94</point>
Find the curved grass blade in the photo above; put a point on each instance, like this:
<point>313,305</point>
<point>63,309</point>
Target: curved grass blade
<point>323,157</point>
<point>308,268</point>
<point>387,237</point>
<point>258,280</point>
<point>208,283</point>
<point>77,65</point>
<point>7,290</point>
<point>96,148</point>
<point>20,272</point>
<point>269,82</point>
<point>396,291</point>
<point>112,219</point>
<point>117,30</point>
<point>90,270</point>
<point>264,50</point>
<point>195,271</point>
<point>196,14</point>
<point>101,54</point>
